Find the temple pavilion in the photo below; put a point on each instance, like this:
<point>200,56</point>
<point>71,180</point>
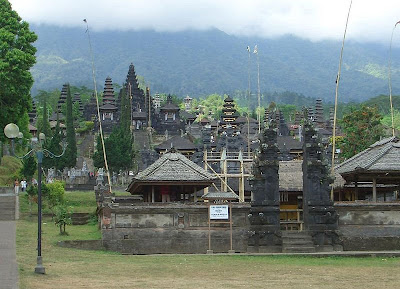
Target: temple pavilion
<point>371,175</point>
<point>172,178</point>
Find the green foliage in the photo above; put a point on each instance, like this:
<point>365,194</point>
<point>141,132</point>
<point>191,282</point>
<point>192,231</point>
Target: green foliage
<point>54,146</point>
<point>85,93</point>
<point>17,56</point>
<point>119,150</point>
<point>55,194</point>
<point>387,120</point>
<point>382,102</point>
<point>9,170</point>
<point>29,167</point>
<point>70,154</point>
<point>63,217</point>
<point>43,124</point>
<point>361,127</point>
<point>85,126</point>
<point>51,97</point>
<point>288,110</point>
<point>125,119</point>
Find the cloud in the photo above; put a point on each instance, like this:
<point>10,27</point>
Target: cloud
<point>370,20</point>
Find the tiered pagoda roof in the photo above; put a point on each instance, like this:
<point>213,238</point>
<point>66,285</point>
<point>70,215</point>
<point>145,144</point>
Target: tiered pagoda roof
<point>108,97</point>
<point>133,90</point>
<point>108,94</point>
<point>77,99</point>
<point>229,113</point>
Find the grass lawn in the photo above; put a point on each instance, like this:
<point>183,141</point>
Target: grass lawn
<point>72,268</point>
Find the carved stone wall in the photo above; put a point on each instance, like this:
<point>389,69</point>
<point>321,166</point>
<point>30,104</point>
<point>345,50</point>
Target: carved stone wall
<point>320,217</point>
<point>265,234</point>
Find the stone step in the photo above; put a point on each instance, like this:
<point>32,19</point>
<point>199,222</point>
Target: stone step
<point>296,249</point>
<point>297,242</point>
<point>296,236</point>
<point>80,218</point>
<point>7,207</point>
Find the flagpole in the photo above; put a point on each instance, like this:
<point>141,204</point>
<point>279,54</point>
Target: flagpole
<point>97,104</point>
<point>248,70</point>
<point>390,78</point>
<point>248,106</point>
<point>258,93</point>
<point>336,101</point>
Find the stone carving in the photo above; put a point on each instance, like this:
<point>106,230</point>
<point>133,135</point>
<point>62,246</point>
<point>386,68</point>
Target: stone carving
<point>264,234</point>
<point>320,217</point>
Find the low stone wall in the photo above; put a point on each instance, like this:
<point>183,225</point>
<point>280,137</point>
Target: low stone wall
<point>171,228</point>
<point>133,228</point>
<point>369,226</point>
<point>82,244</point>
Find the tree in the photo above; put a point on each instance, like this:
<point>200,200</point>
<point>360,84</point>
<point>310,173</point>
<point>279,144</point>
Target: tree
<point>54,146</point>
<point>119,150</point>
<point>361,127</point>
<point>44,125</point>
<point>70,154</point>
<point>29,167</point>
<point>17,56</point>
<point>63,217</point>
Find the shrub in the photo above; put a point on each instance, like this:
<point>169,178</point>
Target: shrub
<point>63,217</point>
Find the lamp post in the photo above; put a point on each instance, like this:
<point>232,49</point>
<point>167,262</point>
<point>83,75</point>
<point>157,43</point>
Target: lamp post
<point>13,130</point>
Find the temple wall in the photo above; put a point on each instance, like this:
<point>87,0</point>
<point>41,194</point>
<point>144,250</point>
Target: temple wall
<point>183,228</point>
<point>369,226</point>
<point>172,228</point>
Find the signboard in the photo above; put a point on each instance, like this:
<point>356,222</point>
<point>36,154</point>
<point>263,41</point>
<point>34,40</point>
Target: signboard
<point>219,212</point>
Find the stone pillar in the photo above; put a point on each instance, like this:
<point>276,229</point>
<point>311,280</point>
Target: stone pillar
<point>265,234</point>
<point>320,217</point>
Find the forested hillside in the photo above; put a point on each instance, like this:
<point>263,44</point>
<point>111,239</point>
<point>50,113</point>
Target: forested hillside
<point>199,63</point>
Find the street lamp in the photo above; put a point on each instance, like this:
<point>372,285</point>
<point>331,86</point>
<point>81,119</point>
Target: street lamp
<point>13,130</point>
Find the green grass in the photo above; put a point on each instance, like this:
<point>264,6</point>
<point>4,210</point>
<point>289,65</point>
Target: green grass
<point>81,201</point>
<point>73,268</point>
<point>9,170</point>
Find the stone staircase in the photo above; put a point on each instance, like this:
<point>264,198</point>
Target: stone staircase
<point>297,242</point>
<point>80,218</point>
<point>141,139</point>
<point>8,202</point>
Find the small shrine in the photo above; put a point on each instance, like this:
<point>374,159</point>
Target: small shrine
<point>173,177</point>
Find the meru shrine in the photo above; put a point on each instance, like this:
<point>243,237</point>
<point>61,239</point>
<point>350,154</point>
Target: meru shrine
<point>224,185</point>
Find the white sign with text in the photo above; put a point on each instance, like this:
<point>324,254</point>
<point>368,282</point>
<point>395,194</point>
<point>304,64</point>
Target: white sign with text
<point>219,212</point>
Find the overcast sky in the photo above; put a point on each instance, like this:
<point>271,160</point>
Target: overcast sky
<point>312,19</point>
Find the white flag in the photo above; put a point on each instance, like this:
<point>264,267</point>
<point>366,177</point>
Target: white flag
<point>255,49</point>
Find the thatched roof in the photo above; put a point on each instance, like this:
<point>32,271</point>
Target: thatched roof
<point>178,142</point>
<point>383,157</point>
<point>220,196</point>
<point>172,168</point>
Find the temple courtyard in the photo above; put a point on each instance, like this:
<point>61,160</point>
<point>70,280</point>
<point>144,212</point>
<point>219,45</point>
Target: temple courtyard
<point>74,268</point>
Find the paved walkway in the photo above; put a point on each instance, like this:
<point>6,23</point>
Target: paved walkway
<point>8,256</point>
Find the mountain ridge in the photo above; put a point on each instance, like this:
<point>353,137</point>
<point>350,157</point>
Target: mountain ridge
<point>199,63</point>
